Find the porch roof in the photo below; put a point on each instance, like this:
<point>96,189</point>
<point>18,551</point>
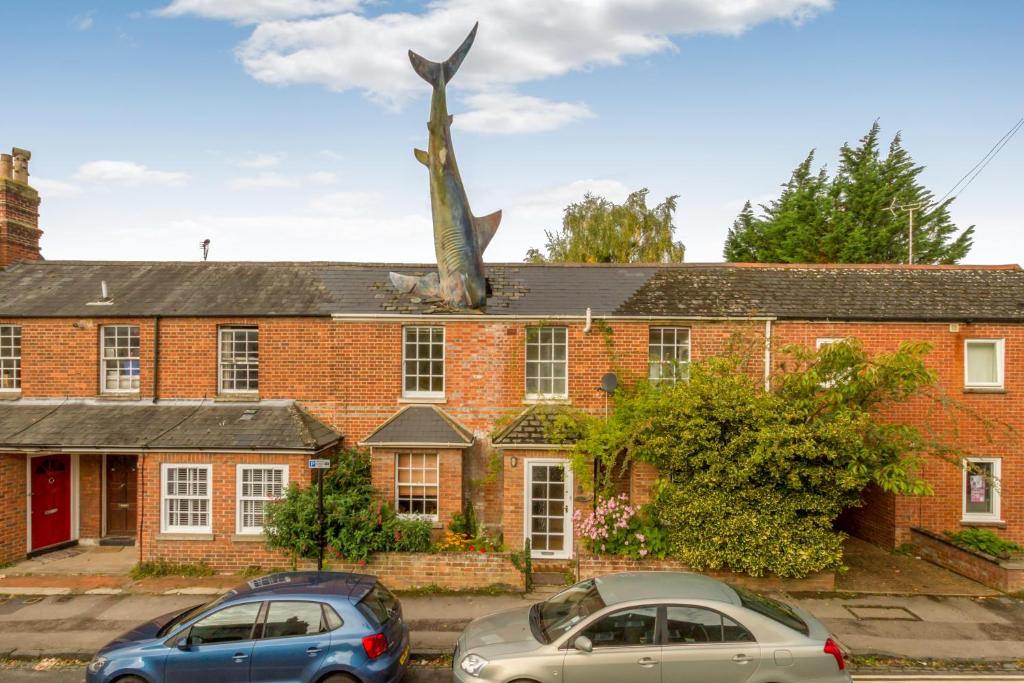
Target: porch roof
<point>530,429</point>
<point>167,426</point>
<point>419,426</point>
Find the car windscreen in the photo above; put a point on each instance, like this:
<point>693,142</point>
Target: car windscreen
<point>191,613</point>
<point>559,614</point>
<point>379,605</point>
<point>773,609</point>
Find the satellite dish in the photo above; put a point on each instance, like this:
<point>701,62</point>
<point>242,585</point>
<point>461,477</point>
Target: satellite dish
<point>609,382</point>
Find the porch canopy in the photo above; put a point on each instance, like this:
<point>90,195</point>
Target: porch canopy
<point>192,426</point>
<point>420,426</point>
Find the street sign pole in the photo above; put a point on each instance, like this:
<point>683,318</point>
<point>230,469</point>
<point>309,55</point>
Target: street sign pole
<point>320,519</point>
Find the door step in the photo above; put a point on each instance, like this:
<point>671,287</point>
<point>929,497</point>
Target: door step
<point>549,579</point>
<point>118,540</point>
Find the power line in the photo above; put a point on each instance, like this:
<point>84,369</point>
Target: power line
<point>976,170</point>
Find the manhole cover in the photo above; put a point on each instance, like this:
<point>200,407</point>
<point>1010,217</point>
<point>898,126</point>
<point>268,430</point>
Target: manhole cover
<point>881,613</point>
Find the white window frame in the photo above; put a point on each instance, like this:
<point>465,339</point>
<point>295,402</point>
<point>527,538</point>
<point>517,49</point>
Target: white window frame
<point>680,370</point>
<point>164,527</point>
<point>405,343</point>
<point>825,341</point>
<point>995,486</point>
<point>240,498</point>
<point>1000,358</point>
<point>104,389</point>
<point>221,330</point>
<point>526,363</point>
<point>437,486</point>
<point>12,332</point>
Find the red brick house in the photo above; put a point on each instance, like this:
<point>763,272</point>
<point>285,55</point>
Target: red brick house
<point>162,403</point>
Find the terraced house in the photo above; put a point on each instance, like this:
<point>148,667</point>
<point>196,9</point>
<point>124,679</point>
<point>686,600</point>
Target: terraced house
<point>164,403</point>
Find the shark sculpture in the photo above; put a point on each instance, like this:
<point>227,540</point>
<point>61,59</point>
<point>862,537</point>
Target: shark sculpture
<point>460,238</point>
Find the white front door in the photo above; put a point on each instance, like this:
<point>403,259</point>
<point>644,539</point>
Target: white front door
<point>549,508</point>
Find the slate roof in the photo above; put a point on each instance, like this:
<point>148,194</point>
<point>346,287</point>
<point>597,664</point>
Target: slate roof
<point>420,426</point>
<point>142,289</point>
<point>530,428</point>
<point>177,426</point>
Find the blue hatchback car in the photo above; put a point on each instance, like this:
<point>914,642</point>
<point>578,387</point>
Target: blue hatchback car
<point>308,627</point>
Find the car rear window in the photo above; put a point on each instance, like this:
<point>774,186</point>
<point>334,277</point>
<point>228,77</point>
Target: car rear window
<point>379,604</point>
<point>773,609</point>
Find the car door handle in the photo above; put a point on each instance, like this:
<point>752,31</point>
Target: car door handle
<point>312,651</point>
<point>647,662</point>
<point>742,659</point>
<point>240,657</point>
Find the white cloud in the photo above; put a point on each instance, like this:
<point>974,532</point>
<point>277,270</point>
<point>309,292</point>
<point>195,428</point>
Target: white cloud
<point>54,189</point>
<point>271,180</point>
<point>127,173</point>
<point>510,112</point>
<point>259,161</point>
<point>252,11</point>
<point>82,22</point>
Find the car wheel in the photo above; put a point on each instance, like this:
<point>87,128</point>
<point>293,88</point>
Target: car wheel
<point>338,678</point>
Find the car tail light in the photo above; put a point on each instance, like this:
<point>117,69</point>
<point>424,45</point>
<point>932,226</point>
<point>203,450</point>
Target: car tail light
<point>376,645</point>
<point>830,649</point>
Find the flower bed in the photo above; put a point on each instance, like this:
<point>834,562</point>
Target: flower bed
<point>1004,575</point>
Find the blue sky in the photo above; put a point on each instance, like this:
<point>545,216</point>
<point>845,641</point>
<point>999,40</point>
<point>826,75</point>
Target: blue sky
<point>283,129</point>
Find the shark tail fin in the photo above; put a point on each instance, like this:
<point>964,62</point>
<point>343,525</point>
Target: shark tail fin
<point>432,72</point>
<point>427,286</point>
<point>485,227</point>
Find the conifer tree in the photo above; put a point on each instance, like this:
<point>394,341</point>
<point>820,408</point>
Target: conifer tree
<point>849,219</point>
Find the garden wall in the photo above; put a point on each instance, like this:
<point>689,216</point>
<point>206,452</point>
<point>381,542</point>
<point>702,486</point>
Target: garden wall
<point>451,571</point>
<point>598,565</point>
<point>1006,576</point>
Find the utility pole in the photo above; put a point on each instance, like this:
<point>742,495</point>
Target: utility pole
<point>910,209</point>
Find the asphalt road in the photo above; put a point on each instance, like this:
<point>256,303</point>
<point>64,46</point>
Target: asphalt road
<point>417,674</point>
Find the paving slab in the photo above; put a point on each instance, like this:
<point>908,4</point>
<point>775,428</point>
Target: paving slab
<point>874,570</point>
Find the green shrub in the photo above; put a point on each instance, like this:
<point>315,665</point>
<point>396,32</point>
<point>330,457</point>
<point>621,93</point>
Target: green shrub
<point>356,523</point>
<point>985,541</point>
<point>464,523</point>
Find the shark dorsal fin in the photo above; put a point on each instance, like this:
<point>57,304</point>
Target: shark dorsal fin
<point>484,228</point>
<point>422,157</point>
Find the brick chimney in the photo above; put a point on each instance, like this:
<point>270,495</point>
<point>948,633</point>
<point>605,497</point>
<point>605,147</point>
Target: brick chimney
<point>19,210</point>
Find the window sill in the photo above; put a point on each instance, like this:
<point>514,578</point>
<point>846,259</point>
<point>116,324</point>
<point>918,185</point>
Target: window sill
<point>423,399</point>
<point>992,523</point>
<point>124,396</point>
<point>984,390</point>
<point>8,395</point>
<point>175,536</point>
<point>538,400</point>
<point>252,397</point>
<point>248,538</point>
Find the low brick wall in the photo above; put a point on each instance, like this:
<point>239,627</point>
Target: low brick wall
<point>598,565</point>
<point>453,571</point>
<point>983,568</point>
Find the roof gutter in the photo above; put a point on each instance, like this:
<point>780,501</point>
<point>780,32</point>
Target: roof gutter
<point>371,317</point>
<point>405,444</point>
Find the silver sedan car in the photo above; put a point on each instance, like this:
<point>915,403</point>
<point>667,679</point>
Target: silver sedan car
<point>650,627</point>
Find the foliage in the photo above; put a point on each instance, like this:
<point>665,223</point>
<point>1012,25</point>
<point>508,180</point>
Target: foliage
<point>523,561</point>
<point>614,527</point>
<point>596,230</point>
<point>985,541</point>
<point>753,480</point>
<point>465,534</point>
<point>464,523</point>
<point>356,524</point>
<point>848,219</point>
<point>144,570</point>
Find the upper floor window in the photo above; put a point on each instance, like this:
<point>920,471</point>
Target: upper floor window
<point>668,353</point>
<point>423,362</point>
<point>258,484</point>
<point>983,363</point>
<point>10,358</point>
<point>119,358</point>
<point>239,359</point>
<point>546,362</point>
<point>981,489</point>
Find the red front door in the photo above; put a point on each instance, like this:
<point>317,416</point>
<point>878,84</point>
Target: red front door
<point>51,500</point>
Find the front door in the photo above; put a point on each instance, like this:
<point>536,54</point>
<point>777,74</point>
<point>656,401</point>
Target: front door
<point>51,500</point>
<point>549,508</point>
<point>121,477</point>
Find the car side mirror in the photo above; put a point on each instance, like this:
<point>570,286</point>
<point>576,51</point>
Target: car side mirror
<point>183,645</point>
<point>583,644</point>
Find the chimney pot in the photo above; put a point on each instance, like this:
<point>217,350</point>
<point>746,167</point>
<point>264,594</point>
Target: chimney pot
<point>20,164</point>
<point>6,166</point>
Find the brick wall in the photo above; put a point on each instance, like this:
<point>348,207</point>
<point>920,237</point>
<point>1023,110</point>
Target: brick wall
<point>90,496</point>
<point>987,570</point>
<point>599,565</point>
<point>19,223</point>
<point>13,501</point>
<point>454,571</point>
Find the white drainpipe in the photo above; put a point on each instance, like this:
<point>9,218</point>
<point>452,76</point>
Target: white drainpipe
<point>767,355</point>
